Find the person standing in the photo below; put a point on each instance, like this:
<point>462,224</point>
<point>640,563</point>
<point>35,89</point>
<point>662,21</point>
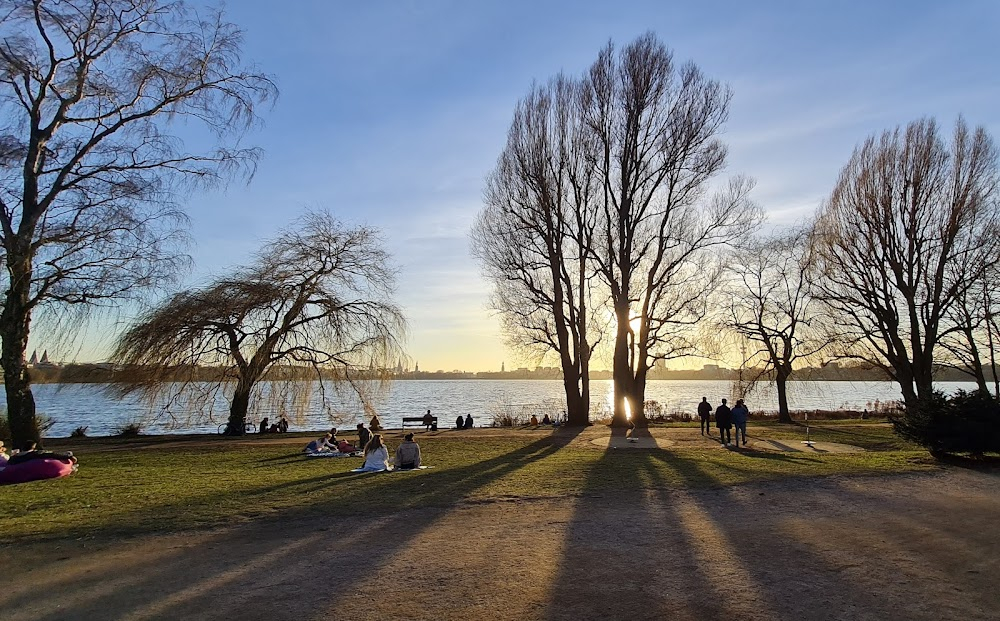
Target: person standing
<point>705,414</point>
<point>408,454</point>
<point>724,421</point>
<point>740,416</point>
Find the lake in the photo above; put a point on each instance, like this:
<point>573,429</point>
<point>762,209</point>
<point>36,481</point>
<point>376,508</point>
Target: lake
<point>75,405</point>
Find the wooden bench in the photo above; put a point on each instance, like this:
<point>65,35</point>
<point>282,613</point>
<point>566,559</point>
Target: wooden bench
<point>419,420</point>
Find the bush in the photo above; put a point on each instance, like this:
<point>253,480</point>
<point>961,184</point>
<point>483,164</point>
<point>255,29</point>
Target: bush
<point>79,432</point>
<point>968,422</point>
<point>42,425</point>
<point>130,429</point>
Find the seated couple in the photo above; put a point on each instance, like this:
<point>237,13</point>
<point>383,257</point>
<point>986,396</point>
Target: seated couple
<point>377,455</point>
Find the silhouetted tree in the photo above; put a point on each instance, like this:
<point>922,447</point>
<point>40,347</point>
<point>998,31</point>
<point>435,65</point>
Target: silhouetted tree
<point>767,300</point>
<point>88,169</point>
<point>534,234</point>
<point>318,296</point>
<point>908,230</point>
<point>656,126</point>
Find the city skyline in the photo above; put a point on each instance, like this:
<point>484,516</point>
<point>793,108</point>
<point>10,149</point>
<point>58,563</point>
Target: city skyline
<point>393,114</point>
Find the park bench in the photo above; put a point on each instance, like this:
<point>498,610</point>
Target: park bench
<point>419,420</point>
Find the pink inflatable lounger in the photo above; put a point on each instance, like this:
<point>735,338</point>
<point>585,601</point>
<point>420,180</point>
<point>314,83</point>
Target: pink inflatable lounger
<point>35,470</point>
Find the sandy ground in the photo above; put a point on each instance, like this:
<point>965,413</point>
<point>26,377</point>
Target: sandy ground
<point>916,546</point>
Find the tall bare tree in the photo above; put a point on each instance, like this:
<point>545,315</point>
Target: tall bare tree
<point>767,301</point>
<point>317,296</point>
<point>534,234</point>
<point>909,228</point>
<point>88,169</point>
<point>656,126</point>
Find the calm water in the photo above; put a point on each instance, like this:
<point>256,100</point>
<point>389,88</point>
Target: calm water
<point>74,405</point>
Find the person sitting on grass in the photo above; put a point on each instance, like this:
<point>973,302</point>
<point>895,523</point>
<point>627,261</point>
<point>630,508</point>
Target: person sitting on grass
<point>283,425</point>
<point>376,455</point>
<point>546,420</point>
<point>364,436</point>
<point>29,451</point>
<point>468,421</point>
<point>321,445</point>
<point>376,424</point>
<point>264,426</point>
<point>459,422</point>
<point>3,455</point>
<point>346,447</point>
<point>408,454</point>
<point>534,421</point>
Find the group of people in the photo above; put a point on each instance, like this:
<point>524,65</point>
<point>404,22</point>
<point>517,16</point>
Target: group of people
<point>726,419</point>
<point>375,451</point>
<point>28,451</point>
<point>545,420</point>
<point>279,427</point>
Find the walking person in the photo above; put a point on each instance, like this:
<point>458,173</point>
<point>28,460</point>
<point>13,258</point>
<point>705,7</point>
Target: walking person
<point>740,416</point>
<point>705,414</point>
<point>724,421</point>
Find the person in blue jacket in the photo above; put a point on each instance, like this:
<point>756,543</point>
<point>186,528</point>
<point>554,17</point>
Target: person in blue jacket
<point>740,416</point>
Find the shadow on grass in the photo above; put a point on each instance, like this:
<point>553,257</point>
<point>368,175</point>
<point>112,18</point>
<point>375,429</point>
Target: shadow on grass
<point>266,562</point>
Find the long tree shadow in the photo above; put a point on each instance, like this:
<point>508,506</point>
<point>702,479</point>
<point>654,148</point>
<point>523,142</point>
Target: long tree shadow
<point>625,547</point>
<point>265,561</point>
<point>764,532</point>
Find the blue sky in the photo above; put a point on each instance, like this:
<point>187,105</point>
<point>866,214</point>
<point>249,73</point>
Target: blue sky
<point>392,113</point>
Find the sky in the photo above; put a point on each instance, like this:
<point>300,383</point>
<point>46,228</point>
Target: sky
<point>392,113</point>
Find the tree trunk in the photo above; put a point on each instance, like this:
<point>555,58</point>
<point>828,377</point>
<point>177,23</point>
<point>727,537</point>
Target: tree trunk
<point>621,370</point>
<point>639,393</point>
<point>781,382</point>
<point>236,426</point>
<point>14,327</point>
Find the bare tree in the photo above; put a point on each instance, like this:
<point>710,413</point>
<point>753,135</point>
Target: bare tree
<point>972,343</point>
<point>656,126</point>
<point>317,296</point>
<point>534,233</point>
<point>88,170</point>
<point>907,231</point>
<point>767,302</point>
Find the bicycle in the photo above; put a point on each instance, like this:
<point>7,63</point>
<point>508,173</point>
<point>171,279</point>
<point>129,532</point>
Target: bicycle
<point>249,426</point>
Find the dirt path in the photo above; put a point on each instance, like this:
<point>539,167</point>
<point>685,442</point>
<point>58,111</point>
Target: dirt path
<point>894,547</point>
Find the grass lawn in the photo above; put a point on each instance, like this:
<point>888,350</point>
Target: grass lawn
<point>162,484</point>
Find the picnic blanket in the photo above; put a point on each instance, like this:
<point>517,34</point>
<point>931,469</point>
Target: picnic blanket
<point>394,469</point>
<point>331,454</point>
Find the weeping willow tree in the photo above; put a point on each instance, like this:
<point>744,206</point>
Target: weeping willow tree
<point>316,302</point>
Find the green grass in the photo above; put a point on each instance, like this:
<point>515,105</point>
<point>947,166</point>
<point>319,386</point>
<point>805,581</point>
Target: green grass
<point>148,485</point>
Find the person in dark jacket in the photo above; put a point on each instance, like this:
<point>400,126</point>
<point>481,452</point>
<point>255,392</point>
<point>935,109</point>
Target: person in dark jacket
<point>705,414</point>
<point>363,436</point>
<point>468,421</point>
<point>740,416</point>
<point>724,421</point>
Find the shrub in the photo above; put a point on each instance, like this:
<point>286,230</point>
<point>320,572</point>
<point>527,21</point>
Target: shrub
<point>42,425</point>
<point>79,432</point>
<point>130,429</point>
<point>968,422</point>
